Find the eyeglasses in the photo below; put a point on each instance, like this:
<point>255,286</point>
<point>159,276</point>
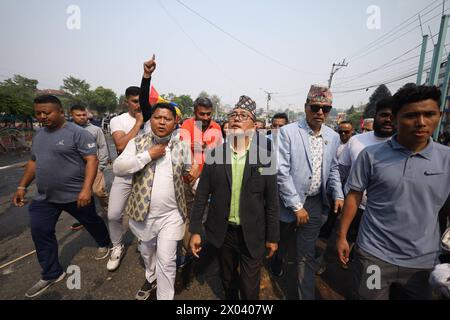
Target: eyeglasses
<point>242,116</point>
<point>315,108</point>
<point>344,131</point>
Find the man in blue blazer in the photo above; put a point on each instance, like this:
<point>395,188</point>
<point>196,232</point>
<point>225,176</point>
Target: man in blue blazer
<point>307,173</point>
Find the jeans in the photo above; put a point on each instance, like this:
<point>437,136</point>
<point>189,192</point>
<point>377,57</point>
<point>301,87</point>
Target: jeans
<point>43,218</point>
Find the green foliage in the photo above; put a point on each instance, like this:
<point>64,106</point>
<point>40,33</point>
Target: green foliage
<point>75,87</point>
<point>380,93</point>
<point>351,110</point>
<point>16,96</point>
<point>102,100</point>
<point>355,119</point>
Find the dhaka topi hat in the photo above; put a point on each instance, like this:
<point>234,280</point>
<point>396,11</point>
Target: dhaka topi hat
<point>319,95</point>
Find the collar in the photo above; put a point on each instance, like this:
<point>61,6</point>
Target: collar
<point>304,124</point>
<point>174,138</point>
<point>425,153</point>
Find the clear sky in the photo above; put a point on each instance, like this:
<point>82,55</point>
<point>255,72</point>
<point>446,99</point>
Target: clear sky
<point>280,46</point>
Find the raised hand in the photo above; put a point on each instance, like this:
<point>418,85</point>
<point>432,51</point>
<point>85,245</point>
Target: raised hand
<point>149,67</point>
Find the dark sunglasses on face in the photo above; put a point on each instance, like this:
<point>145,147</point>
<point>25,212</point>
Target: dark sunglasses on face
<point>343,131</point>
<point>315,108</point>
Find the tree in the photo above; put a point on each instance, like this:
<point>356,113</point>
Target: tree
<point>17,95</point>
<point>351,110</point>
<point>215,99</point>
<point>184,102</point>
<point>75,87</point>
<point>203,94</point>
<point>380,93</point>
<point>122,107</point>
<point>355,119</point>
<point>102,100</point>
<point>77,92</point>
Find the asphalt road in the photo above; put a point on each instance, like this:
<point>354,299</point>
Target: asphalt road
<point>78,248</point>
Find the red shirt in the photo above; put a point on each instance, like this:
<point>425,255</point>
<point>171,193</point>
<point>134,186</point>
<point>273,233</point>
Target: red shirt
<point>200,141</point>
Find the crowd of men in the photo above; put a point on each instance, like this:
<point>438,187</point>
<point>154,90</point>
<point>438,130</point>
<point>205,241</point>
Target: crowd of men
<point>381,197</point>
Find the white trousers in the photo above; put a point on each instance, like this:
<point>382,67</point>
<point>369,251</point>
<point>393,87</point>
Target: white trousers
<point>160,258</point>
<point>118,196</point>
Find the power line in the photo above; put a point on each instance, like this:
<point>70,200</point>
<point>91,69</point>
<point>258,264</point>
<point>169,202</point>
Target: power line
<point>390,32</point>
<point>243,43</point>
<point>357,76</point>
<point>394,75</point>
<point>385,65</point>
<point>411,73</point>
<point>378,84</point>
<point>195,43</point>
<point>395,39</point>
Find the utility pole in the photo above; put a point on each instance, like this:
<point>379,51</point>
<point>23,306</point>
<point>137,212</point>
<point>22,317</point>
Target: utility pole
<point>422,55</point>
<point>335,68</point>
<point>443,98</point>
<point>269,97</point>
<point>437,54</point>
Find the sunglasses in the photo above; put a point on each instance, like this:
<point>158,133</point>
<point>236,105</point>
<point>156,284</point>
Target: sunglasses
<point>344,131</point>
<point>315,108</point>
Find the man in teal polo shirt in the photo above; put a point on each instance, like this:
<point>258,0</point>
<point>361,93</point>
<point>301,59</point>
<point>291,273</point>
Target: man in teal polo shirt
<point>408,182</point>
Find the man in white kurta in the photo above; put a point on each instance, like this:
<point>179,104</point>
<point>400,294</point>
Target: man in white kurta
<point>164,225</point>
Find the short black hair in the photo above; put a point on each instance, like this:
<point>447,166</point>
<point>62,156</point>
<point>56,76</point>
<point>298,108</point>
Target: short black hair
<point>48,98</point>
<point>167,106</point>
<point>386,103</point>
<point>346,122</point>
<point>281,115</point>
<point>77,107</point>
<point>132,91</point>
<point>204,102</point>
<point>411,93</point>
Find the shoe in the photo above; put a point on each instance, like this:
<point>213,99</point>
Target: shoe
<point>115,258</point>
<point>42,285</point>
<point>76,226</point>
<point>276,267</point>
<point>146,290</point>
<point>102,253</point>
<point>321,270</point>
<point>184,260</point>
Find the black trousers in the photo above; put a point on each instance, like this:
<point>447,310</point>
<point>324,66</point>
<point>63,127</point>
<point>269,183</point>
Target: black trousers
<point>233,255</point>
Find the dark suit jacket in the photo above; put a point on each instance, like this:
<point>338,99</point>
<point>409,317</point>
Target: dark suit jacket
<point>259,208</point>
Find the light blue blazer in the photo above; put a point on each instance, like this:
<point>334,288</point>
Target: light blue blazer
<point>295,167</point>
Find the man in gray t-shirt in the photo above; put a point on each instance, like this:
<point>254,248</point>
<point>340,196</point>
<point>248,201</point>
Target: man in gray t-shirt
<point>59,157</point>
<point>80,117</point>
<point>64,163</point>
<point>407,181</point>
